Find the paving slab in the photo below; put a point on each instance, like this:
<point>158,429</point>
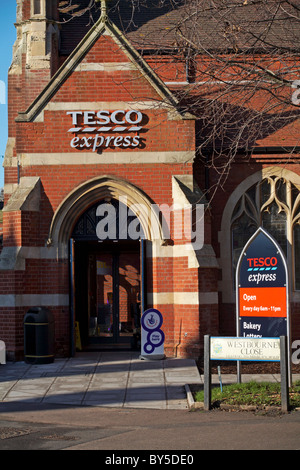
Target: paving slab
<point>109,379</point>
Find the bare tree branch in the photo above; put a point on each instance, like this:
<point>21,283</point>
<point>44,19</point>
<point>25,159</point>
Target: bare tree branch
<point>238,61</point>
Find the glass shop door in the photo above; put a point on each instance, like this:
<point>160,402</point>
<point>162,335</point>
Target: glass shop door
<point>114,297</point>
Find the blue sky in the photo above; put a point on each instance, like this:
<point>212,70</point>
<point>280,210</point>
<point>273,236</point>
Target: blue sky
<point>7,39</point>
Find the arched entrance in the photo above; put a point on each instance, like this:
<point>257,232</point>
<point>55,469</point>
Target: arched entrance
<point>102,228</point>
<point>108,275</point>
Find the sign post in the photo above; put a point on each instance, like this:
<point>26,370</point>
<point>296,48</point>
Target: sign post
<point>152,337</point>
<point>262,293</point>
<point>207,373</point>
<point>218,348</point>
<point>284,354</point>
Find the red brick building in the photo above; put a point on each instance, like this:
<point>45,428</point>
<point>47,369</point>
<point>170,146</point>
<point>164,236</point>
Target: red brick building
<point>96,131</point>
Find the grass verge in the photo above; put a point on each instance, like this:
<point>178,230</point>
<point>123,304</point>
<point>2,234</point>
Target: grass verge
<point>252,393</point>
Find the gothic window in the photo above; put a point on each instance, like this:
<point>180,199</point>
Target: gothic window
<point>274,204</point>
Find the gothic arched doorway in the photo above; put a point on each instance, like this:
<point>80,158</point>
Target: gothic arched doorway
<point>107,254</point>
<point>76,234</point>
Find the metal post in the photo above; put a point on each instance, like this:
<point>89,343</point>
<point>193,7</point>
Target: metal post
<point>284,370</point>
<point>72,300</point>
<point>220,378</point>
<point>142,268</point>
<point>207,373</point>
<point>239,373</point>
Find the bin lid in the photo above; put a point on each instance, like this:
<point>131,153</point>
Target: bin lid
<point>38,315</point>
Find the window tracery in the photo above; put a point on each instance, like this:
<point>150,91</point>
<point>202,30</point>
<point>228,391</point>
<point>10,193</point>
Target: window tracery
<point>274,204</point>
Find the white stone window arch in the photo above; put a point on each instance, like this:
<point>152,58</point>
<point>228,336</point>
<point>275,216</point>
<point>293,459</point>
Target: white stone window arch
<point>270,198</point>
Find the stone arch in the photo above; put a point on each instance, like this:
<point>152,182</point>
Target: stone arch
<point>97,189</point>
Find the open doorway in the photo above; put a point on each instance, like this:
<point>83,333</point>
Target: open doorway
<point>107,286</point>
<point>107,293</point>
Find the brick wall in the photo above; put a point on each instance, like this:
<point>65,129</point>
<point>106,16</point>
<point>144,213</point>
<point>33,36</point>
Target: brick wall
<point>187,295</point>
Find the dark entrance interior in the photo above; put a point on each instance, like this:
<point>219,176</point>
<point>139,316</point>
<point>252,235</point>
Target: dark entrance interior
<point>107,282</point>
<point>107,292</point>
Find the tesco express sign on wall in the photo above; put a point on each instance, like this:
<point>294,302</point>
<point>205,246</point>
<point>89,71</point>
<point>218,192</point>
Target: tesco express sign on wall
<point>95,130</point>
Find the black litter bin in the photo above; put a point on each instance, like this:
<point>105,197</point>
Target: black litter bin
<point>38,336</point>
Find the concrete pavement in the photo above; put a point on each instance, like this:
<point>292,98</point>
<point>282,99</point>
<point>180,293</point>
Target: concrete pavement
<point>108,379</point>
<point>113,401</point>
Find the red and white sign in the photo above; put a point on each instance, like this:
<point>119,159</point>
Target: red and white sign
<point>262,289</point>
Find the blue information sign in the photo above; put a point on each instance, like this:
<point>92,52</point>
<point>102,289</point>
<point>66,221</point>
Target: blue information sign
<point>153,337</point>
